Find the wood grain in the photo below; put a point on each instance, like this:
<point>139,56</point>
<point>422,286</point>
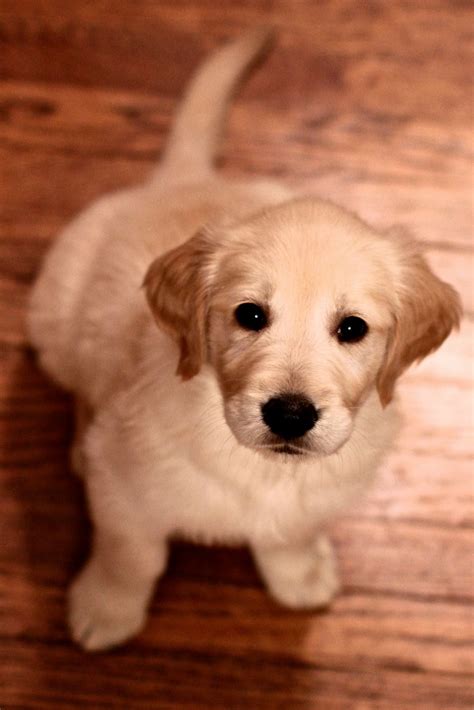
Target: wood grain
<point>369,104</point>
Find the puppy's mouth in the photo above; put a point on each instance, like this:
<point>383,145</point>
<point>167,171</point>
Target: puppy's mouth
<point>289,449</point>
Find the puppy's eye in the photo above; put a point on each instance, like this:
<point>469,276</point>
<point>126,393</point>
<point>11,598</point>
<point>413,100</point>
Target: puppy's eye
<point>250,316</point>
<point>352,329</point>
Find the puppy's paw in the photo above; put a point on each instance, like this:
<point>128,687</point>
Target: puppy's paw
<point>101,617</point>
<point>301,579</point>
<point>319,582</point>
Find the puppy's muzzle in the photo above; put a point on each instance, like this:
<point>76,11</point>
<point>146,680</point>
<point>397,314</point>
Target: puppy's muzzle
<point>289,416</point>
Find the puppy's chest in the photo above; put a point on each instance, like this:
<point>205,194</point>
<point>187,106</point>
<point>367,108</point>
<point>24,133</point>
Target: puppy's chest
<point>264,512</point>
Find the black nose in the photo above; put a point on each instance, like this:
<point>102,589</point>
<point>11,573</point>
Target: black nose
<point>290,415</point>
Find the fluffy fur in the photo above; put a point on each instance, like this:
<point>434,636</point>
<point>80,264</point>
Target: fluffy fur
<point>171,440</point>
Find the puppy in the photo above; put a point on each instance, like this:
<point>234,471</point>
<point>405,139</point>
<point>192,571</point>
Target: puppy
<point>261,404</point>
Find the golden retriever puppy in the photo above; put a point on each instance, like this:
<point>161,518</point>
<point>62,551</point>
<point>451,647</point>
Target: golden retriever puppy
<point>261,404</point>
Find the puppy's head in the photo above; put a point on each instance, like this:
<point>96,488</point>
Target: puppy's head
<point>301,311</point>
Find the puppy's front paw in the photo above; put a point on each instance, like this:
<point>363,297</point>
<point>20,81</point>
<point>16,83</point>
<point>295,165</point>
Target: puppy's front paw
<point>301,578</point>
<point>99,616</point>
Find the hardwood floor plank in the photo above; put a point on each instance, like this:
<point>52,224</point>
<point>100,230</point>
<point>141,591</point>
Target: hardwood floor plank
<point>402,35</point>
<point>181,679</point>
<point>422,487</point>
<point>33,199</point>
<point>406,154</point>
<point>406,560</point>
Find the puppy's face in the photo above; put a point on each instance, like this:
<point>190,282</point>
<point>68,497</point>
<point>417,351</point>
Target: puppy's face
<point>301,311</point>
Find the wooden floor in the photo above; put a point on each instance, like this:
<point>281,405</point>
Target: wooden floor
<point>368,103</point>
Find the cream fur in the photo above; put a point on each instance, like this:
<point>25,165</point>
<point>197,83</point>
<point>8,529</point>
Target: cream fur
<point>165,456</point>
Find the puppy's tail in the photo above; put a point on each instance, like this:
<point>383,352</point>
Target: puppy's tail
<point>192,146</point>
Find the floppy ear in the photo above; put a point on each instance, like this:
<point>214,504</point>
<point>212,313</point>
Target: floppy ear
<point>177,285</point>
<point>428,309</point>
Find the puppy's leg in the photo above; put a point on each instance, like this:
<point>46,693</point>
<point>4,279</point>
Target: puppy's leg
<point>109,598</point>
<point>82,417</point>
<point>300,577</point>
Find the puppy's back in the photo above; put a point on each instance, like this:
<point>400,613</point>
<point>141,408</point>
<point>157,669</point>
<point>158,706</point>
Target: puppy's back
<point>87,302</point>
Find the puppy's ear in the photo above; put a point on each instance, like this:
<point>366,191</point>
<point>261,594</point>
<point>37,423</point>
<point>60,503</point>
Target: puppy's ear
<point>177,285</point>
<point>427,310</point>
